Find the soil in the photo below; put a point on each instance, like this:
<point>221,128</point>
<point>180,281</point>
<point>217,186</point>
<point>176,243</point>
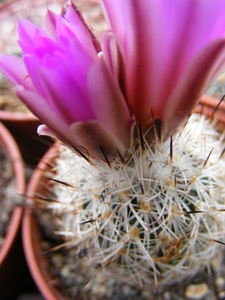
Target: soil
<point>7,190</point>
<point>8,99</point>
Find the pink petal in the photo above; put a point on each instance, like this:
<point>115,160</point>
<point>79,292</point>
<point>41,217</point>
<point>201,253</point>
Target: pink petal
<point>32,37</point>
<point>41,109</point>
<point>114,57</point>
<point>198,33</point>
<point>15,70</point>
<point>160,40</point>
<point>49,24</point>
<point>67,98</point>
<point>136,24</point>
<point>108,103</point>
<point>77,24</point>
<point>63,85</point>
<point>44,130</point>
<point>201,72</point>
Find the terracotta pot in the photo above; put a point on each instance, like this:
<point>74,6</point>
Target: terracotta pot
<point>8,250</point>
<point>31,234</point>
<point>23,126</point>
<point>211,108</point>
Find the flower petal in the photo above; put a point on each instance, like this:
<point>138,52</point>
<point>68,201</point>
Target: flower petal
<point>15,70</point>
<point>78,25</point>
<point>44,130</point>
<point>97,139</point>
<point>114,57</point>
<point>32,37</point>
<point>142,49</point>
<point>42,110</point>
<point>68,99</point>
<point>157,56</point>
<point>193,84</point>
<point>49,24</point>
<point>108,103</point>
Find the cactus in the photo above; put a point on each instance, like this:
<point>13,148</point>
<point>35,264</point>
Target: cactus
<point>150,218</point>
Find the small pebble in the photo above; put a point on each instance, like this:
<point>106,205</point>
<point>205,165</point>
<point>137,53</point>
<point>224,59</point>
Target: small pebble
<point>196,291</point>
<point>65,271</point>
<point>222,295</point>
<point>216,262</point>
<point>57,260</point>
<point>99,290</point>
<point>220,283</point>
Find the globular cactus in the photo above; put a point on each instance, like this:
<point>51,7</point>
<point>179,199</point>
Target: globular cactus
<point>152,217</point>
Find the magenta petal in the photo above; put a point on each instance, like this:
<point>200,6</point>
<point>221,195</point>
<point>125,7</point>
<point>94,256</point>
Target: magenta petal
<point>32,37</point>
<point>44,130</point>
<point>42,110</point>
<point>27,31</point>
<point>15,70</point>
<point>64,90</point>
<point>142,49</point>
<point>34,64</point>
<point>50,23</point>
<point>114,56</point>
<point>113,113</point>
<point>68,99</point>
<point>195,23</point>
<point>76,23</point>
<point>160,40</point>
<point>193,84</point>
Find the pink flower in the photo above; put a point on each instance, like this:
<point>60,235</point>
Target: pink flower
<point>67,85</point>
<point>155,63</point>
<point>171,51</point>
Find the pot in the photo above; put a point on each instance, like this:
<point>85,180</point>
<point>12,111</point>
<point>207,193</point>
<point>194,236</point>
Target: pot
<point>31,235</point>
<point>213,109</point>
<point>9,252</point>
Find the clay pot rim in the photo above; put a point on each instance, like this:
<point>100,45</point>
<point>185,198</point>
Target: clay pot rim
<point>211,102</point>
<point>6,115</point>
<point>9,144</point>
<point>43,280</point>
